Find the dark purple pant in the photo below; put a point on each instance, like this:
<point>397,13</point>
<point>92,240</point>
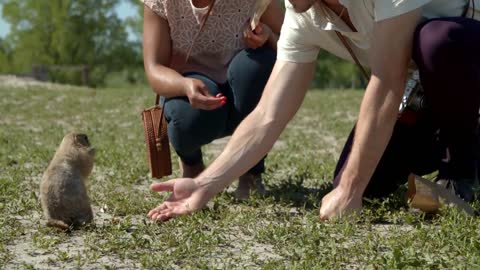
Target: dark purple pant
<point>447,53</point>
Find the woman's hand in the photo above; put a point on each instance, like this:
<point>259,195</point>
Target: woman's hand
<point>199,96</point>
<point>257,38</point>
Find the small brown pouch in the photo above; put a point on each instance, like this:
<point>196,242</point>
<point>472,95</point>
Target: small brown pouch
<point>429,197</point>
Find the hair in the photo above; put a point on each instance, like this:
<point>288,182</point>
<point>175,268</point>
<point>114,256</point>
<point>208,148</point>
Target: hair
<point>202,25</point>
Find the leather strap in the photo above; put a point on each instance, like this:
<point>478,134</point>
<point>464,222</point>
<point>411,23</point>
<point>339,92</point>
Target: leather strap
<point>157,103</point>
<point>210,8</point>
<point>352,53</point>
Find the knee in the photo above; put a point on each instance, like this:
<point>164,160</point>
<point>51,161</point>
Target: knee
<point>437,42</point>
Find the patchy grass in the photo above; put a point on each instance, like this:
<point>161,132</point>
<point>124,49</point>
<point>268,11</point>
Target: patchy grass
<point>278,231</point>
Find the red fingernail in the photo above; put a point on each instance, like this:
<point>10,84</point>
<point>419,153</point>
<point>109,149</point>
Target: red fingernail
<point>223,102</point>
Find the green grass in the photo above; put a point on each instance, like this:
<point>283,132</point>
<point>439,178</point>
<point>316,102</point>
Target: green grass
<point>278,231</point>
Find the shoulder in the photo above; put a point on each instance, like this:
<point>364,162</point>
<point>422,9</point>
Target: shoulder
<point>157,6</point>
<point>297,20</point>
<point>386,9</point>
<point>299,35</point>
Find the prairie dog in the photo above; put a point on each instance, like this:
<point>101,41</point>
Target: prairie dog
<point>63,194</point>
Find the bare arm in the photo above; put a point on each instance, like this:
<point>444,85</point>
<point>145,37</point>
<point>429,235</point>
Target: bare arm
<point>273,18</point>
<point>391,54</point>
<point>256,135</point>
<point>253,138</point>
<point>156,56</point>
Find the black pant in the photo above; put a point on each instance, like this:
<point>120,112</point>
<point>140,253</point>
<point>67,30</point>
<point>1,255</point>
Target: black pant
<point>412,149</point>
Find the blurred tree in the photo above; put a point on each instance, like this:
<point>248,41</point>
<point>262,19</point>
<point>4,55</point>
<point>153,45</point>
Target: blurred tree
<point>68,32</point>
<point>334,72</point>
<point>136,23</point>
<point>5,56</point>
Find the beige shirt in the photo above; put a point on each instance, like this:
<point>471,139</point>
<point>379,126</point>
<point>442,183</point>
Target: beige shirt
<point>304,34</point>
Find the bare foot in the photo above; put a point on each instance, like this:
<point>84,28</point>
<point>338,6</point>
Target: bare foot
<point>191,171</point>
<point>247,183</point>
<point>186,198</point>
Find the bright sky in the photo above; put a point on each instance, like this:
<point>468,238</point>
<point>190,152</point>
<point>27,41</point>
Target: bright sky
<point>124,10</point>
<point>4,27</point>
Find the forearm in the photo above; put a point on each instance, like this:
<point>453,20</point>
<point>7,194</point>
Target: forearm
<point>255,136</point>
<point>252,140</point>
<point>380,104</point>
<point>377,117</point>
<point>166,81</point>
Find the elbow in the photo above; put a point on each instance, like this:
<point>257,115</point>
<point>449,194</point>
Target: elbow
<point>269,119</point>
<point>153,76</point>
<point>149,67</point>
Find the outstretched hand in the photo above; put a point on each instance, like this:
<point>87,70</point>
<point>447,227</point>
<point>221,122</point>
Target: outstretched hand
<point>186,197</point>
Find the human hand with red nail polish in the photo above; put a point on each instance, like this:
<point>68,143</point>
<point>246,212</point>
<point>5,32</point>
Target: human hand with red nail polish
<point>199,96</point>
<point>220,95</point>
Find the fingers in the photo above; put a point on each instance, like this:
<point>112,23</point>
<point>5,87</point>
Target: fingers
<point>203,100</point>
<point>200,97</point>
<point>156,210</point>
<point>224,98</point>
<point>255,39</point>
<point>166,211</point>
<point>258,30</point>
<point>208,103</point>
<point>164,215</point>
<point>163,186</point>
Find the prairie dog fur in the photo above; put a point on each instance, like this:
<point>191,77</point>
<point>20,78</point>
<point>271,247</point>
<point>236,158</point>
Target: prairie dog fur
<point>63,193</point>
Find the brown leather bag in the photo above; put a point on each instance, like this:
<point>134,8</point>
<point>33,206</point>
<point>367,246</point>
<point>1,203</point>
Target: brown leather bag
<point>156,139</point>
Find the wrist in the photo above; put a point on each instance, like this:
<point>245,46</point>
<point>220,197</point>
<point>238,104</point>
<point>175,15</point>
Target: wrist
<point>209,186</point>
<point>352,183</point>
<point>185,86</point>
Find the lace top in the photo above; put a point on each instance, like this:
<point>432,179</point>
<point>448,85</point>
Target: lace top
<point>220,40</point>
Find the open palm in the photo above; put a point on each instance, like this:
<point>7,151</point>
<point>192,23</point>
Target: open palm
<point>186,197</point>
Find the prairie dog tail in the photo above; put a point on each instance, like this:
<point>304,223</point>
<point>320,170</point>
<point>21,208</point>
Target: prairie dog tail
<point>58,224</point>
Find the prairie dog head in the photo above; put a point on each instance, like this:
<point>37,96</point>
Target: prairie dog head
<point>76,148</point>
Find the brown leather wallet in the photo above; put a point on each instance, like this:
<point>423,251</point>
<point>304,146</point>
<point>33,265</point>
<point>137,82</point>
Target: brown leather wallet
<point>156,140</point>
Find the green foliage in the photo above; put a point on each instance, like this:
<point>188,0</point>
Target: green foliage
<point>333,72</point>
<point>5,56</point>
<point>136,23</point>
<point>67,32</point>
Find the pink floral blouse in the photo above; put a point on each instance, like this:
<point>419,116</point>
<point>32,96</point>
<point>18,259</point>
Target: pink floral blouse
<point>220,40</point>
